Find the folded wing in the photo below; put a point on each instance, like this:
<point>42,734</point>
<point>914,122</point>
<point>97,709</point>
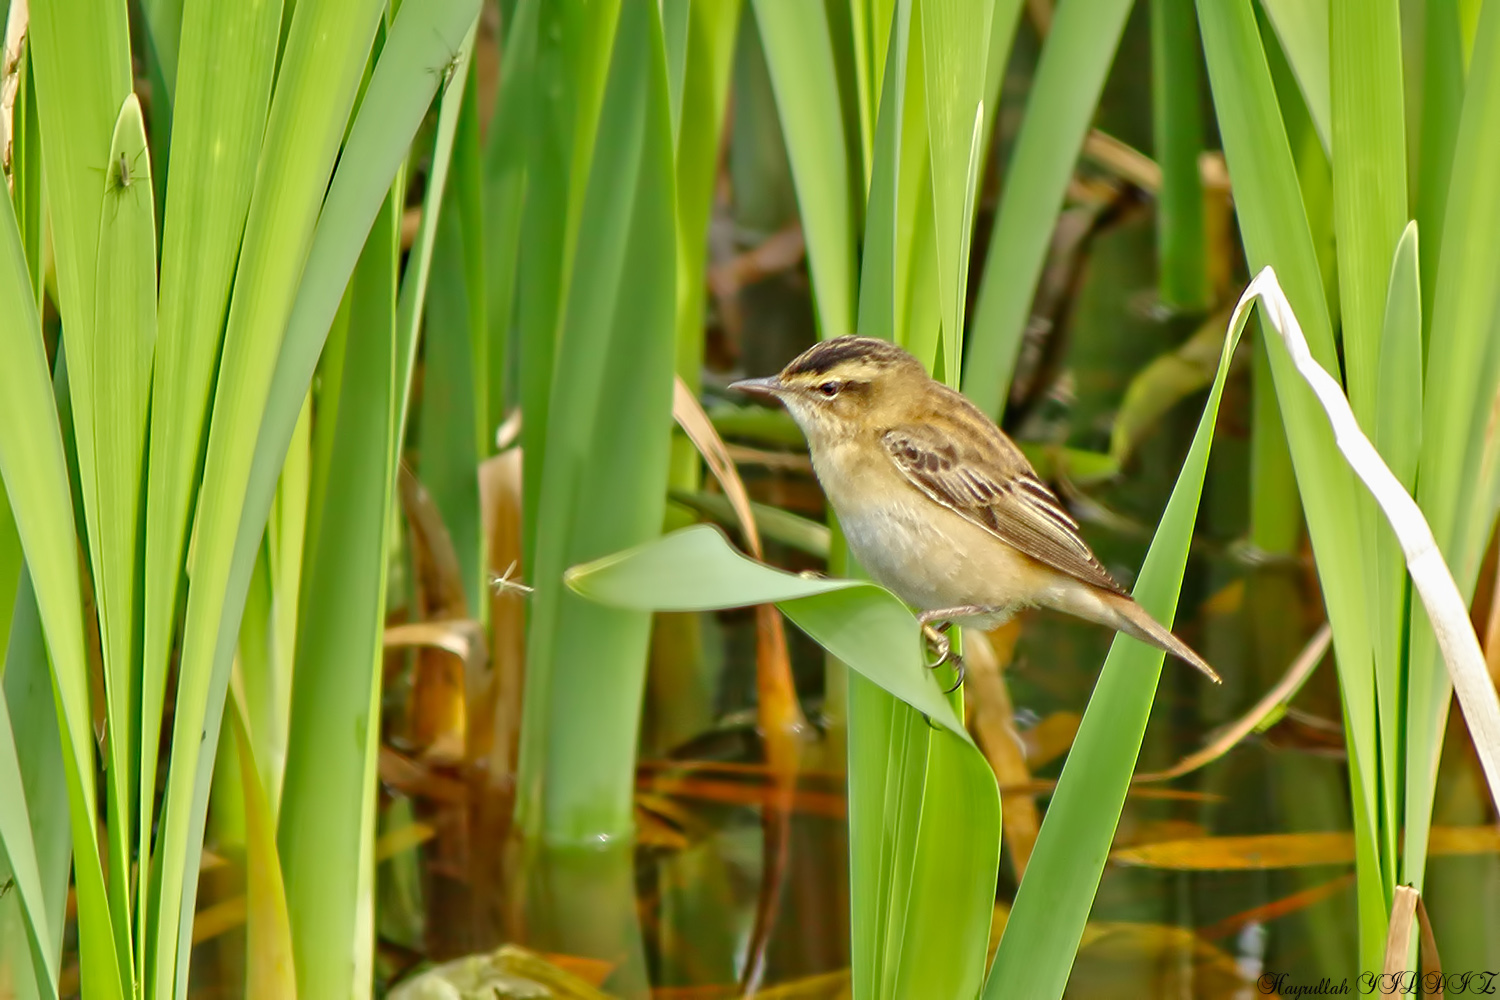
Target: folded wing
<point>987,480</point>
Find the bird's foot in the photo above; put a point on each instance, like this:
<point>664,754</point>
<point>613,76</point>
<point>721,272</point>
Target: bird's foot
<point>938,642</point>
<point>942,645</point>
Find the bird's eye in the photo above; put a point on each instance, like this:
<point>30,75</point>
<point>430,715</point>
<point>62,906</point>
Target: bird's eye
<point>830,389</point>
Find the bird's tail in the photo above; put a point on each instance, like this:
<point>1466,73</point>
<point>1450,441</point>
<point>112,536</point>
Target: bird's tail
<point>1133,620</point>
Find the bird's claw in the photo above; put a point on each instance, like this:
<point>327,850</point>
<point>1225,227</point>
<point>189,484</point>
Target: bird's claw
<point>943,646</point>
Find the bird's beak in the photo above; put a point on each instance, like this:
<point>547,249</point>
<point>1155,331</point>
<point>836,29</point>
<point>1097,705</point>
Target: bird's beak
<point>769,387</point>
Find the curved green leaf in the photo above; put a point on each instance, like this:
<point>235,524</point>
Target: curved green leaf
<point>696,569</point>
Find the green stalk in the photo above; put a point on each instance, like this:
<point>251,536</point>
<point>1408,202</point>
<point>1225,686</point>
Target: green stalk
<point>1177,127</point>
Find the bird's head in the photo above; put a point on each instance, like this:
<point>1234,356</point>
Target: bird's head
<point>842,386</point>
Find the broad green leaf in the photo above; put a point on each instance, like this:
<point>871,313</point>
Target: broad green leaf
<point>696,569</point>
<point>603,470</point>
<point>261,685</point>
<point>924,817</point>
<point>800,53</point>
<point>897,293</point>
<point>110,375</point>
<point>945,790</point>
<point>945,922</point>
<point>11,562</point>
<point>1369,178</point>
<point>1064,93</point>
<point>1053,902</point>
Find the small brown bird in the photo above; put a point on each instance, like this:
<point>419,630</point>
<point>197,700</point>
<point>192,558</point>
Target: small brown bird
<point>938,504</point>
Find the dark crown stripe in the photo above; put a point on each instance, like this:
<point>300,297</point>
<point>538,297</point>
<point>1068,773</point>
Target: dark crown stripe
<point>826,356</point>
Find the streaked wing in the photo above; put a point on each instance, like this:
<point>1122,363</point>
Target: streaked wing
<point>989,482</point>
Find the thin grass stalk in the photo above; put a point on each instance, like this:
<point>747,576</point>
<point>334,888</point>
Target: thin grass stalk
<point>1177,131</point>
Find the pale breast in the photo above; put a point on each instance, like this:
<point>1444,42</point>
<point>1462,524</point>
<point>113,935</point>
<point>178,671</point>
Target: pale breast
<point>928,555</point>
